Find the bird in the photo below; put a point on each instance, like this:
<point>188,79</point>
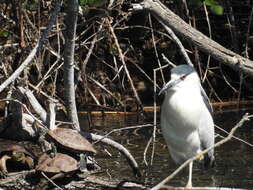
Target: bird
<point>186,118</point>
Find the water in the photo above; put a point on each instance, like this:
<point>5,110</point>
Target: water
<point>234,159</point>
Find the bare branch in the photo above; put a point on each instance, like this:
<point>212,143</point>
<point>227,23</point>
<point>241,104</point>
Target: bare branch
<point>116,145</point>
<point>34,103</point>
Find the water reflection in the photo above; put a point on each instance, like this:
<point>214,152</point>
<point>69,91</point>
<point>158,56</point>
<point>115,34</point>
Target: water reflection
<point>234,159</point>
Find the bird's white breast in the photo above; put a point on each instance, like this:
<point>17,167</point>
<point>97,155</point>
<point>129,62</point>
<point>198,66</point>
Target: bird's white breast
<point>180,115</point>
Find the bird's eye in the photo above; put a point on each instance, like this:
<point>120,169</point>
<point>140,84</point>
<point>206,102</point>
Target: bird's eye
<point>183,77</point>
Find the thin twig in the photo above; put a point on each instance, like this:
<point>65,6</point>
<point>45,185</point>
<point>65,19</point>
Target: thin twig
<point>142,71</point>
<point>106,90</point>
<point>232,25</point>
<point>146,150</point>
<point>58,57</point>
<point>155,118</point>
<point>154,45</point>
<point>93,96</point>
<point>42,93</point>
<point>248,31</point>
<point>210,36</point>
<point>212,90</point>
<point>124,128</point>
<point>178,42</point>
<point>237,138</point>
<point>226,80</point>
<point>168,61</point>
<point>51,181</point>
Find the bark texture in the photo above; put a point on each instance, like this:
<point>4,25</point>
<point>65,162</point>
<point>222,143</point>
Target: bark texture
<point>69,49</point>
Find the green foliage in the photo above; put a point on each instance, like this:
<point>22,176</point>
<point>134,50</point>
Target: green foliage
<point>217,9</point>
<point>210,2</point>
<point>4,33</point>
<point>93,3</point>
<point>214,6</point>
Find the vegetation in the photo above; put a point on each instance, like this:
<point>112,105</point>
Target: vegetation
<point>101,55</point>
<point>100,75</point>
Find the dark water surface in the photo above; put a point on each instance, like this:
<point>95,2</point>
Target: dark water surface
<point>234,160</point>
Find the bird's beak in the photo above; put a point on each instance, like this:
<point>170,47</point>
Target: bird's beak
<point>169,85</point>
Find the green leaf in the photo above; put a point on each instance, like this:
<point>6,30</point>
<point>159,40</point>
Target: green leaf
<point>217,9</point>
<point>4,34</point>
<point>211,3</point>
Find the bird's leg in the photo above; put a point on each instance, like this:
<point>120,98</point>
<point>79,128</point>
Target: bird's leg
<point>189,184</point>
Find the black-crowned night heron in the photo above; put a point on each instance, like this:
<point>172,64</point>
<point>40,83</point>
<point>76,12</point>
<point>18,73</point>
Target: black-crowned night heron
<point>186,120</point>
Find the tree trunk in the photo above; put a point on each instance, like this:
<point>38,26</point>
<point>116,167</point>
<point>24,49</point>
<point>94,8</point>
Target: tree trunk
<point>69,49</point>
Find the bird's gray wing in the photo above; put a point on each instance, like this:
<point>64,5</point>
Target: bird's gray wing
<point>206,135</point>
<point>206,100</point>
